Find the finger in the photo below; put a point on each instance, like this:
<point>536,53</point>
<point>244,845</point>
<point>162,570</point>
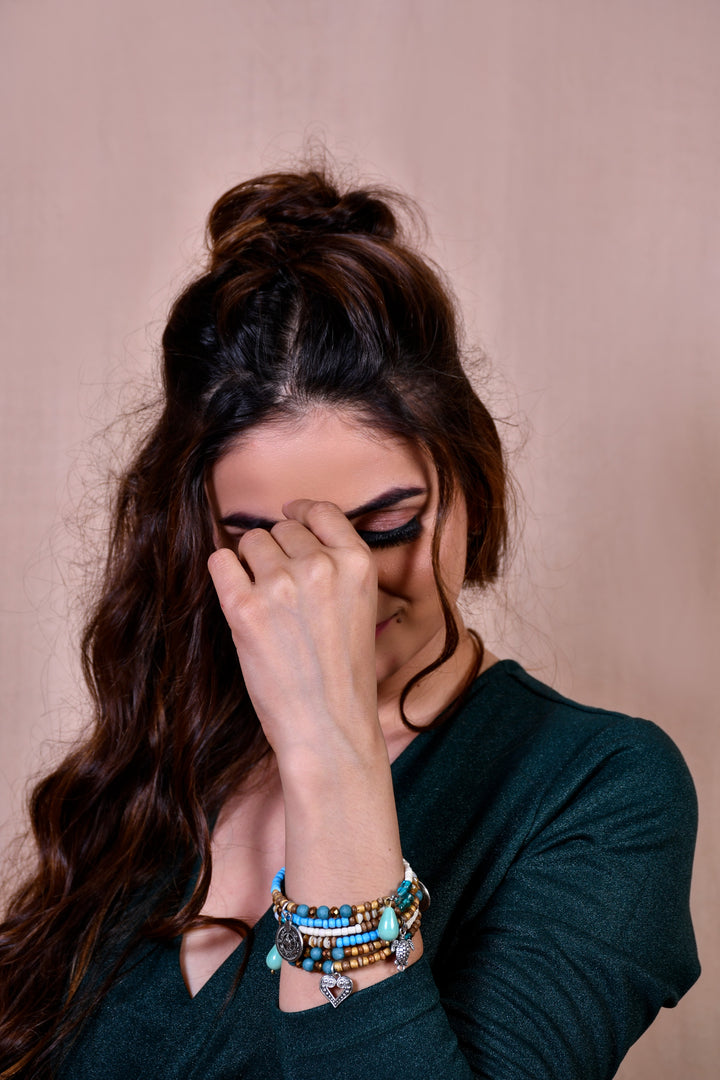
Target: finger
<point>325,520</point>
<point>232,582</point>
<point>294,538</point>
<point>260,552</point>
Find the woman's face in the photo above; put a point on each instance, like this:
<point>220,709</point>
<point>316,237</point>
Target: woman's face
<point>388,490</point>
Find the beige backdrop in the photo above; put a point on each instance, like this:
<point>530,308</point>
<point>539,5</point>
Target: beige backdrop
<point>567,154</point>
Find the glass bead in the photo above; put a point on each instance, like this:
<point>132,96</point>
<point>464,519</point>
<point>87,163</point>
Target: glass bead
<point>274,959</point>
<point>388,927</point>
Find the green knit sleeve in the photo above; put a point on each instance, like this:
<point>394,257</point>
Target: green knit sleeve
<point>568,962</point>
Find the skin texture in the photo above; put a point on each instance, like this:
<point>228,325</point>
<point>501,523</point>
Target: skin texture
<point>328,631</point>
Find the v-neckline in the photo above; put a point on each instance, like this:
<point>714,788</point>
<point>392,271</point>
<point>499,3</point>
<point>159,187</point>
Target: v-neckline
<point>230,961</point>
<point>405,755</point>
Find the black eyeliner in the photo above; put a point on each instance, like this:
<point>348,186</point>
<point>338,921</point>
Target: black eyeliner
<point>403,534</point>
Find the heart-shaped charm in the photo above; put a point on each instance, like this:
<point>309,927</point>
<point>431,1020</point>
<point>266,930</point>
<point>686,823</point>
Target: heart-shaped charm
<point>341,983</point>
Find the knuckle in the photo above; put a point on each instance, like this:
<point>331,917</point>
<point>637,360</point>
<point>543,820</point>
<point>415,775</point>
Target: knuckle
<point>319,567</point>
<point>360,560</point>
<point>235,605</point>
<point>280,586</point>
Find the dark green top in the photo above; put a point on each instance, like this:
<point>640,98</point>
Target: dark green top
<point>556,842</point>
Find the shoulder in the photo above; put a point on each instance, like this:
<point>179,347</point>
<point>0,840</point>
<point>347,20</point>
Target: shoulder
<point>529,802</point>
<point>523,740</point>
<point>519,707</point>
<point>566,733</point>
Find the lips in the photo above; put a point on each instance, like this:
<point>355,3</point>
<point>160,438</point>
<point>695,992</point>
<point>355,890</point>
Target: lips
<point>379,627</point>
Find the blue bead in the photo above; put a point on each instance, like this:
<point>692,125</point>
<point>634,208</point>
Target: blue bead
<point>327,967</point>
<point>388,927</point>
<point>323,911</point>
<point>303,910</point>
<point>315,953</point>
<point>346,911</point>
<point>338,954</point>
<point>274,959</point>
<point>325,923</point>
<point>308,964</point>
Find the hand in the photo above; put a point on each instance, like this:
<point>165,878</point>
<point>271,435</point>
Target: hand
<point>301,603</point>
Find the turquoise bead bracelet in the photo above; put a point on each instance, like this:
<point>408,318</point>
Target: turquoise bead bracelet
<point>333,940</point>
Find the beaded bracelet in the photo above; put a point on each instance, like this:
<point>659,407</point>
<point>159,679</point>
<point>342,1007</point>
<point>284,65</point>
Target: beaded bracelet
<point>333,940</point>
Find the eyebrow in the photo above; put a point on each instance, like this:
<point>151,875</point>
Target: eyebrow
<point>382,502</point>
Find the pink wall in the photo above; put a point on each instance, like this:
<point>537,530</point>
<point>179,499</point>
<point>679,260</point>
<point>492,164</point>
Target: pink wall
<point>567,154</point>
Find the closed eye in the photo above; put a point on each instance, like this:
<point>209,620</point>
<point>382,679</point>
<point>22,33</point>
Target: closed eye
<point>403,534</point>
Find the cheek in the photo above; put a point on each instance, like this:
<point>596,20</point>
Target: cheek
<point>453,556</point>
<point>407,572</point>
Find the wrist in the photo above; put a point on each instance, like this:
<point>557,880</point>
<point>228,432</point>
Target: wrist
<point>350,947</point>
<point>332,751</point>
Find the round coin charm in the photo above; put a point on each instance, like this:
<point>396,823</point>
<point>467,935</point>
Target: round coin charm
<point>289,942</point>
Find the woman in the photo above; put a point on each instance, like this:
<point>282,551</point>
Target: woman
<point>316,703</point>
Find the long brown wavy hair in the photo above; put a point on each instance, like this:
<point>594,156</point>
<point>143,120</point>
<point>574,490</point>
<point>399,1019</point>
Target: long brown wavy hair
<point>310,295</point>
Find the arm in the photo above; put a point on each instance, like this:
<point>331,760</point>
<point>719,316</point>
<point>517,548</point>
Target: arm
<point>569,960</point>
<point>301,603</point>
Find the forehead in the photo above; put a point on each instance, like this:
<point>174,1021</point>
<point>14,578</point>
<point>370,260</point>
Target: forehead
<point>325,455</point>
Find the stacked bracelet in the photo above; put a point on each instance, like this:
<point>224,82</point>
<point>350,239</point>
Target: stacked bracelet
<point>334,940</point>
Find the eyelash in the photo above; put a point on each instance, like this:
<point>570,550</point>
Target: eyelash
<point>404,534</point>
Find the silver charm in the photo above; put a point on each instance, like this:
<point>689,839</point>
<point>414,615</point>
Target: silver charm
<point>401,947</point>
<point>341,983</point>
<point>289,942</point>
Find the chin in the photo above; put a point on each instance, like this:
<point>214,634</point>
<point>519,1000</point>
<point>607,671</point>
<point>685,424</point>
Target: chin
<point>386,667</point>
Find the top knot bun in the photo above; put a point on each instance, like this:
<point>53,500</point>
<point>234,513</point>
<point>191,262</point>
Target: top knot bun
<point>286,210</point>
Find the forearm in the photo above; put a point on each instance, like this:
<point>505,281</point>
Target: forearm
<point>342,845</point>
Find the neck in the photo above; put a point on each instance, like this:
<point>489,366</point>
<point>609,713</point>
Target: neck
<point>431,695</point>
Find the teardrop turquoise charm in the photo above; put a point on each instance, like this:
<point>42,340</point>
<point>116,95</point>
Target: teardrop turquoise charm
<point>274,959</point>
<point>388,927</point>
